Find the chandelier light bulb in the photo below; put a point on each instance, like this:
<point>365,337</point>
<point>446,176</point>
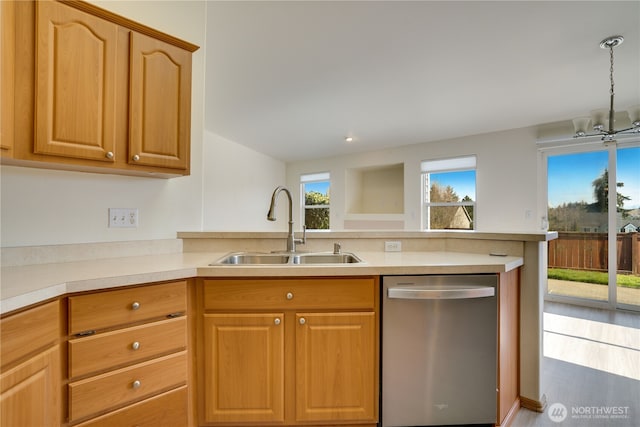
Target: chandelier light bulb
<point>599,119</point>
<point>581,125</point>
<point>634,116</point>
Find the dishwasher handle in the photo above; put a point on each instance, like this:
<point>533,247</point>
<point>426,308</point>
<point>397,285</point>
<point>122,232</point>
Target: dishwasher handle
<point>418,292</point>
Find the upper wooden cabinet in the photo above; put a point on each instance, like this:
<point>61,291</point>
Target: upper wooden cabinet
<point>97,92</point>
<point>7,81</point>
<point>160,112</point>
<point>76,57</point>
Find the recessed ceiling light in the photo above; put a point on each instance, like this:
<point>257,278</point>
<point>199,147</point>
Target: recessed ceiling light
<point>348,139</point>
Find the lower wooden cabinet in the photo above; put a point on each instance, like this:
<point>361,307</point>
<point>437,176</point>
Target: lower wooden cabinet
<point>30,380</point>
<point>31,392</point>
<point>291,351</point>
<point>335,359</point>
<point>244,367</point>
<point>165,410</point>
<point>508,347</point>
<point>130,346</point>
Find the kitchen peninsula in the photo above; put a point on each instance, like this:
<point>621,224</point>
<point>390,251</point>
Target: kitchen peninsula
<point>54,273</point>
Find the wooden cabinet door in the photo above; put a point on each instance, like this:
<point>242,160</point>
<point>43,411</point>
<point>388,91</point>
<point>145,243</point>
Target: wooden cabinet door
<point>75,83</point>
<point>30,392</point>
<point>7,78</point>
<point>244,368</point>
<point>336,367</point>
<point>160,104</point>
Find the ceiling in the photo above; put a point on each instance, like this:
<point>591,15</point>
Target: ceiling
<point>293,79</point>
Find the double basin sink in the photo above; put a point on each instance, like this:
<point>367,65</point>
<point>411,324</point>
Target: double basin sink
<point>255,258</point>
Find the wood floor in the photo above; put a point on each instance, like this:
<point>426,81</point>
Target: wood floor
<point>591,369</point>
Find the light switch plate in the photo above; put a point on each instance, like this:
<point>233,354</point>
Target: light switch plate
<point>123,217</point>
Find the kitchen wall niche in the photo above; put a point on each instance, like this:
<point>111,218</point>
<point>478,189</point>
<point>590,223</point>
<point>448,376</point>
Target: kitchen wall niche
<point>375,190</point>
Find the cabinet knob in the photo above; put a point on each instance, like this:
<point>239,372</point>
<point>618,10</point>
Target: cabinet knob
<point>135,345</point>
<point>289,295</point>
<point>135,305</point>
<point>277,321</point>
<point>109,155</point>
<point>136,384</point>
<point>136,158</point>
<point>302,320</point>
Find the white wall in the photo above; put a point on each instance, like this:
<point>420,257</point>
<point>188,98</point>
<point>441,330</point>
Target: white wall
<point>506,178</point>
<point>42,207</point>
<point>238,183</point>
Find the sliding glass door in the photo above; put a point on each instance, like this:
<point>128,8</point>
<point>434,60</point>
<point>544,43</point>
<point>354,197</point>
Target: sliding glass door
<point>628,236</point>
<point>593,195</point>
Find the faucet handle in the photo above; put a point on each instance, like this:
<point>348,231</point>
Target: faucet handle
<point>304,236</point>
<point>336,248</point>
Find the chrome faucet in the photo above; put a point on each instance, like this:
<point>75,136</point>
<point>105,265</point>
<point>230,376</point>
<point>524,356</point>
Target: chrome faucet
<point>271,216</point>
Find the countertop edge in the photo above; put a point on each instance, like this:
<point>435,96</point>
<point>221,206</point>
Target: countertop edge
<point>542,236</point>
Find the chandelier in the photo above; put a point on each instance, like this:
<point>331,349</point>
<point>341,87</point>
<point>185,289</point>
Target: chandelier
<point>601,117</point>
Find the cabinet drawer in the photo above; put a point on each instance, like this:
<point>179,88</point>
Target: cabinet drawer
<point>130,345</point>
<point>116,388</point>
<point>23,333</point>
<point>290,293</point>
<point>165,410</point>
<point>113,308</point>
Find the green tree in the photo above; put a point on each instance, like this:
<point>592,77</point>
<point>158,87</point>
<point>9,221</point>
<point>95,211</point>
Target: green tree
<point>601,195</point>
<point>316,218</point>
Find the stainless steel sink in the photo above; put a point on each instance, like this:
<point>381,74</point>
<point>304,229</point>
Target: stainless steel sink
<point>253,258</point>
<point>315,258</point>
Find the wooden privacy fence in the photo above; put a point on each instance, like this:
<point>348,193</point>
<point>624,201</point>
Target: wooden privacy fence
<point>588,251</point>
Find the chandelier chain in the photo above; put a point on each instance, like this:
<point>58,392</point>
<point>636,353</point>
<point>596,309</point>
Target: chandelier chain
<point>611,69</point>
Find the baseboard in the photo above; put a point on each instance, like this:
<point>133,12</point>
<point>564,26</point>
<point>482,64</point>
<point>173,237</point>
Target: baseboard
<point>534,405</point>
<point>511,415</point>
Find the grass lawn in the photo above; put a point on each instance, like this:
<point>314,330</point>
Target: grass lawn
<point>597,277</point>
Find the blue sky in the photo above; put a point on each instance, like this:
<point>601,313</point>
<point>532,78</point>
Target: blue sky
<point>570,176</point>
<point>463,182</point>
<point>320,187</point>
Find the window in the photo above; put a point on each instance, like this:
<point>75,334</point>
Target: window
<point>449,193</point>
<point>315,203</point>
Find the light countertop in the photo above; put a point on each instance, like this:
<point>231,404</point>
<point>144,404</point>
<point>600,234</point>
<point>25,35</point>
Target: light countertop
<point>22,286</point>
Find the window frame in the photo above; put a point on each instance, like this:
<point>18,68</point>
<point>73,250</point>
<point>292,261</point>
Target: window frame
<point>310,178</point>
<point>445,165</point>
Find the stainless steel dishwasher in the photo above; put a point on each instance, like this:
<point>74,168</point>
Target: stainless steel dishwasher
<point>439,350</point>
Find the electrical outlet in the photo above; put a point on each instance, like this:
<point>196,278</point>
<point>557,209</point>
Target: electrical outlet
<point>123,217</point>
<point>393,246</point>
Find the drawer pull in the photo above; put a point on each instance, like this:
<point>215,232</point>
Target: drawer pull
<point>289,295</point>
<point>302,321</point>
<point>135,305</point>
<point>86,333</point>
<point>277,321</point>
<point>174,315</point>
<point>136,384</point>
<point>135,345</point>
